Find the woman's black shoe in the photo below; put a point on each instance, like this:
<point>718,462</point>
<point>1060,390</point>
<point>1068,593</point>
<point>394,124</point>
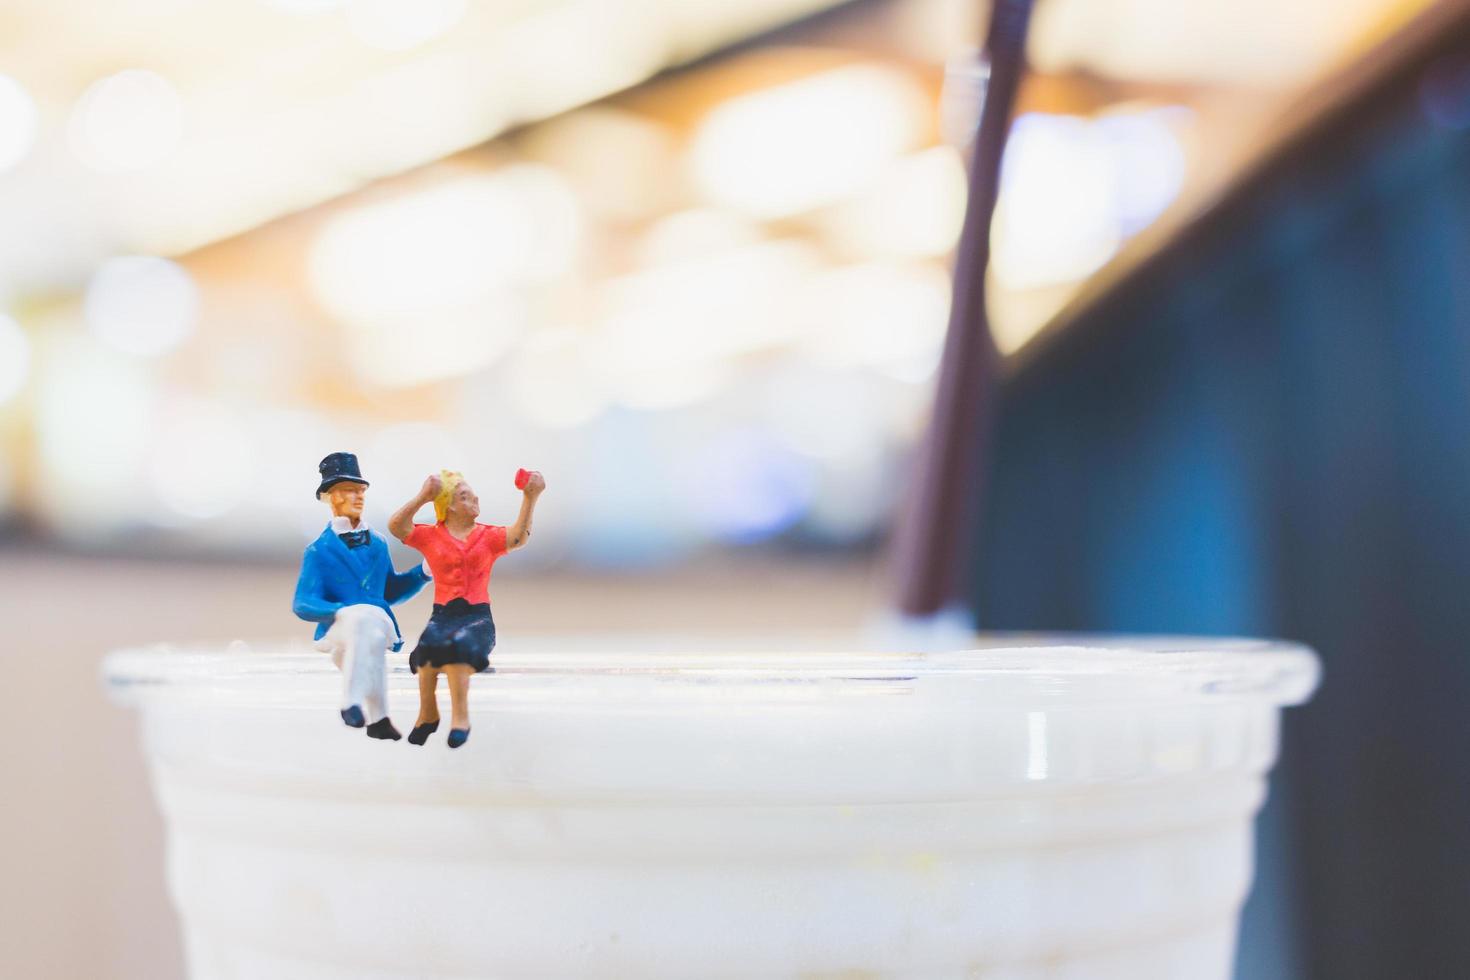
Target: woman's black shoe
<point>352,717</point>
<point>421,733</point>
<point>458,736</point>
<point>383,728</point>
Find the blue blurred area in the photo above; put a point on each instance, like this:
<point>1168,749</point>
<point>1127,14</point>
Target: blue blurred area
<point>1266,430</point>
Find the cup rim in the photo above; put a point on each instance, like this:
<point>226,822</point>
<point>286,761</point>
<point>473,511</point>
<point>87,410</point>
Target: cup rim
<point>985,669</point>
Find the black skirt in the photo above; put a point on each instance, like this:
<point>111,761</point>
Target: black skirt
<point>458,633</point>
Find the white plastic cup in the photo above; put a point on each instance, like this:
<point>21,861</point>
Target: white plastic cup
<point>1034,807</point>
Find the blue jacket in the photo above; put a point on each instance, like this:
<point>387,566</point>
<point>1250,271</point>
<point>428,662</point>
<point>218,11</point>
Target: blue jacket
<point>333,576</point>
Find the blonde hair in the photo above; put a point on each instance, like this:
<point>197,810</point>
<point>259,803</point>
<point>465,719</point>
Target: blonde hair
<point>449,480</point>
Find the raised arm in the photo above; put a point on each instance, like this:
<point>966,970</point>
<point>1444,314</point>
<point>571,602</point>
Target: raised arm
<point>519,533</point>
<point>400,525</point>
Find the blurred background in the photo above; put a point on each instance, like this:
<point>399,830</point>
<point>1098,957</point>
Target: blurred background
<point>693,260</point>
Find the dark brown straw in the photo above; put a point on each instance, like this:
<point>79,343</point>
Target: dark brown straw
<point>938,521</point>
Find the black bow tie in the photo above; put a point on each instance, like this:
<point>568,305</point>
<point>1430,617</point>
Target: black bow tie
<point>354,539</point>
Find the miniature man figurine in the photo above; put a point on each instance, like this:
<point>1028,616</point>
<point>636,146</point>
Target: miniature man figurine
<point>347,587</point>
<point>461,633</point>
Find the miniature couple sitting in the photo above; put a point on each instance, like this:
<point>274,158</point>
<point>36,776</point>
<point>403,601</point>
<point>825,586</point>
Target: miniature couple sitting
<point>348,588</point>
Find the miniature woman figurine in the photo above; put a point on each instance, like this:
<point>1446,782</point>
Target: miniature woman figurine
<point>347,587</point>
<point>461,633</point>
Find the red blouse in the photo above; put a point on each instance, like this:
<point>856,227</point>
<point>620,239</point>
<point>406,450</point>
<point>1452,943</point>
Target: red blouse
<point>461,569</point>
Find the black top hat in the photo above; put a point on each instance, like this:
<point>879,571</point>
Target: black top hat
<point>338,468</point>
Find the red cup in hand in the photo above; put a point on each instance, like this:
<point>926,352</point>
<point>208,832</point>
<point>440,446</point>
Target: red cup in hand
<point>522,477</point>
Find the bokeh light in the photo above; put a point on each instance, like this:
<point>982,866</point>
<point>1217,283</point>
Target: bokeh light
<point>748,257</point>
<point>429,281</point>
<point>125,122</point>
<point>1057,216</point>
<point>443,247</point>
<point>142,304</point>
<point>19,120</point>
<point>1149,164</point>
<point>915,209</point>
<point>793,147</point>
<point>674,332</point>
<point>1074,189</point>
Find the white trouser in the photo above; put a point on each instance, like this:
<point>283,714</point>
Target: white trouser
<point>358,641</point>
